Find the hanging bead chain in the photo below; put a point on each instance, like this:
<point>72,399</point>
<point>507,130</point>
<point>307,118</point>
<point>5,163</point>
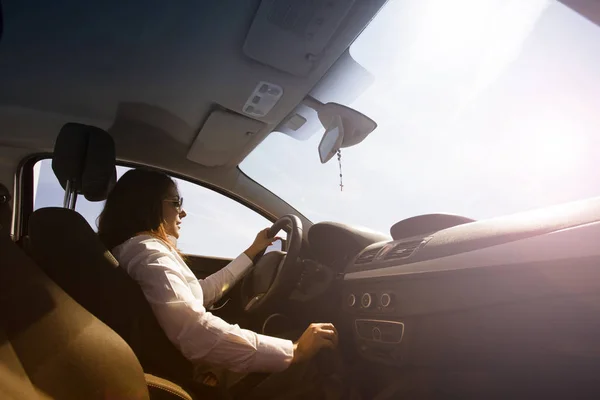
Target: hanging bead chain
<point>339,157</point>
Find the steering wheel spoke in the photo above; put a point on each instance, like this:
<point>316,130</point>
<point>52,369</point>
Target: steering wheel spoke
<point>253,301</point>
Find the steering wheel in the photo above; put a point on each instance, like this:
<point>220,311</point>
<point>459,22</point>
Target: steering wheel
<point>276,272</point>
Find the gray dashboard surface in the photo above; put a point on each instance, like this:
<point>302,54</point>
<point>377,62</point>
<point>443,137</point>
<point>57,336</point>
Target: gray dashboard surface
<point>492,232</point>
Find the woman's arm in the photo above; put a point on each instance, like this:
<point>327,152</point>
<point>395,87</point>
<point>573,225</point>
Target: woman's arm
<point>198,334</point>
<point>217,284</point>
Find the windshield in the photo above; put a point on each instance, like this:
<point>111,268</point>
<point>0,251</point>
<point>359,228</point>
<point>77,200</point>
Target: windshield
<point>484,108</point>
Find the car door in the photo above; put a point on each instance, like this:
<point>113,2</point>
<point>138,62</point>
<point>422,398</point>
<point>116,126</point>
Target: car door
<point>203,266</point>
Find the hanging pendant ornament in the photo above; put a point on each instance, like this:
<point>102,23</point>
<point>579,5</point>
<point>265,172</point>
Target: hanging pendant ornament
<point>339,157</point>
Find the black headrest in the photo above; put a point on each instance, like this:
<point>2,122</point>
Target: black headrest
<point>85,156</point>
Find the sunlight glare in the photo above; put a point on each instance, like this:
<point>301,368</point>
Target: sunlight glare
<point>553,149</point>
<point>459,48</point>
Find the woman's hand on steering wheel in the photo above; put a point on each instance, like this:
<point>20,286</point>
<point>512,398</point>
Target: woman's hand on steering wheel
<point>275,274</point>
<point>261,242</point>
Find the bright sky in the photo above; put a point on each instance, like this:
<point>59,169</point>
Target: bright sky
<point>484,107</point>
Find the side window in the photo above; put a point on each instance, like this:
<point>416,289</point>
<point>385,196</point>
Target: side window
<point>215,226</point>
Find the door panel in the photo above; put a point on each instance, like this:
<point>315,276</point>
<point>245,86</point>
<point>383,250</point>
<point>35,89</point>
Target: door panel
<point>203,266</point>
<point>229,307</point>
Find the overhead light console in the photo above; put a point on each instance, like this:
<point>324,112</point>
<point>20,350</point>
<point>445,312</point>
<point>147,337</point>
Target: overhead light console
<point>263,99</point>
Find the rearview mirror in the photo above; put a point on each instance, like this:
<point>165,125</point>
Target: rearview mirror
<point>332,140</point>
<point>344,127</point>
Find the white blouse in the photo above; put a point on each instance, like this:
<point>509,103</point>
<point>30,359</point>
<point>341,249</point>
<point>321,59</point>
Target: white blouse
<point>178,300</point>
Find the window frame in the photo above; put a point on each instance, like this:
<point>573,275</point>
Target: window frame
<point>23,202</point>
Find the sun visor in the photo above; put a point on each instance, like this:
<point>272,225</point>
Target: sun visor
<point>291,35</point>
<point>223,137</point>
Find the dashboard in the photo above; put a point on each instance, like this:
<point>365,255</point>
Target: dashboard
<point>474,295</point>
<point>336,245</point>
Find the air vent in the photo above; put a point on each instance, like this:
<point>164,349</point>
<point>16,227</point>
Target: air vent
<point>402,250</point>
<point>367,256</point>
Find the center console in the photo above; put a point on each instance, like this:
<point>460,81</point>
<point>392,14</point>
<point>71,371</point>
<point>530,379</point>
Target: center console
<point>372,304</point>
<point>377,330</point>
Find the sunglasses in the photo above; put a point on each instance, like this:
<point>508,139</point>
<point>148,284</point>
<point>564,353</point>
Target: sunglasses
<point>176,203</point>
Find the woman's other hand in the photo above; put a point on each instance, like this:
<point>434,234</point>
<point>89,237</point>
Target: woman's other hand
<point>261,242</point>
<point>315,338</point>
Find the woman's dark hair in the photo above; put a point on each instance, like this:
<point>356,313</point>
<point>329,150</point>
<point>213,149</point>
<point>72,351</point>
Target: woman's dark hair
<point>135,206</point>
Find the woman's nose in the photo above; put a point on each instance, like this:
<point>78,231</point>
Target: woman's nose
<point>182,214</point>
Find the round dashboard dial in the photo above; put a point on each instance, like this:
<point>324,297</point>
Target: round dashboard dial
<point>366,300</point>
<point>351,300</point>
<point>385,300</point>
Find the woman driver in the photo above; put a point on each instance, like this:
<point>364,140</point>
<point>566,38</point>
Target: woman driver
<point>141,215</point>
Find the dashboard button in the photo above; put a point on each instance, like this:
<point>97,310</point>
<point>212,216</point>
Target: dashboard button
<point>386,300</point>
<point>351,300</point>
<point>376,333</point>
<point>366,300</point>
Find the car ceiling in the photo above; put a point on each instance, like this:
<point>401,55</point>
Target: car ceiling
<point>151,71</point>
<point>588,8</point>
<point>163,64</point>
